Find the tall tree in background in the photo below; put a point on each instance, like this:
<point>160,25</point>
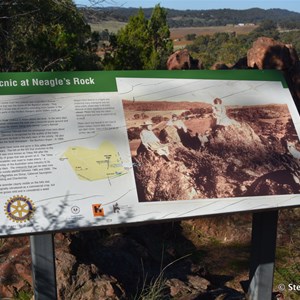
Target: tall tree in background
<point>159,33</point>
<point>142,44</point>
<point>44,35</point>
<point>131,45</point>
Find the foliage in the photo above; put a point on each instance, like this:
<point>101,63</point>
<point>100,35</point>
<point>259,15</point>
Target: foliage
<point>141,44</point>
<point>23,295</point>
<point>211,17</point>
<point>44,36</point>
<point>220,47</point>
<point>228,48</point>
<point>132,47</point>
<point>267,28</point>
<point>190,36</point>
<point>156,289</point>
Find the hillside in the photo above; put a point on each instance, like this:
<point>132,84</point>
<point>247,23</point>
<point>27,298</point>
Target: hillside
<point>196,18</point>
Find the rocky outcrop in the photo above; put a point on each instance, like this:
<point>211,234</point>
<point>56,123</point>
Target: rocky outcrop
<point>294,83</point>
<point>182,60</point>
<point>236,162</point>
<point>121,264</point>
<point>266,53</point>
<point>15,267</point>
<point>219,66</point>
<point>82,280</point>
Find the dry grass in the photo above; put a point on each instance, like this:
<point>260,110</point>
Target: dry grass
<point>111,26</point>
<point>181,32</point>
<point>178,34</point>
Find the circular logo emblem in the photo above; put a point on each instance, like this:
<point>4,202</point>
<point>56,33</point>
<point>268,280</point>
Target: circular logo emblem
<point>75,210</point>
<point>19,209</point>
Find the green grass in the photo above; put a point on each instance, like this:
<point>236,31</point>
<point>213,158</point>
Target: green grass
<point>287,275</point>
<point>23,295</point>
<point>156,289</point>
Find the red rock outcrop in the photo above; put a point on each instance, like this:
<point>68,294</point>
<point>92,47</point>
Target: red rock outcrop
<point>182,60</point>
<point>266,53</point>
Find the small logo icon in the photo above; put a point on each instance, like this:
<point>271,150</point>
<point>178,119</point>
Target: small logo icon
<point>281,287</point>
<point>116,208</point>
<point>75,210</point>
<point>98,211</point>
<point>19,209</point>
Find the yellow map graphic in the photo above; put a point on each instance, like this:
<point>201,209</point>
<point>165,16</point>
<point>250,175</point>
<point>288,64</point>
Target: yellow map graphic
<point>94,164</point>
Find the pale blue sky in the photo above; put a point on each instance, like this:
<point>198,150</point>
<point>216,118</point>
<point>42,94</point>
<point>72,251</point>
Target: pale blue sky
<point>292,5</point>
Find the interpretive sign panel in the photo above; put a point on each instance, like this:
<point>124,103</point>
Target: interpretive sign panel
<point>87,149</point>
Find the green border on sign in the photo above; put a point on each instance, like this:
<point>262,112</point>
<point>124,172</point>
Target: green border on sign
<point>105,81</point>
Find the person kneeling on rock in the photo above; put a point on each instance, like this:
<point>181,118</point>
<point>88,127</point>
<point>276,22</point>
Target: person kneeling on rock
<point>151,142</point>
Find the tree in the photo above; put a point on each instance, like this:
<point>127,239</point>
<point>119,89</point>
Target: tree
<point>132,44</point>
<point>159,33</point>
<point>43,36</point>
<point>220,47</point>
<point>191,36</point>
<point>142,44</point>
<point>266,28</point>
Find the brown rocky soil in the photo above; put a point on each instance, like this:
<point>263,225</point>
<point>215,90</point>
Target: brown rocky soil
<point>204,258</point>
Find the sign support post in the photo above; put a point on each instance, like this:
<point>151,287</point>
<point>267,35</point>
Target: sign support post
<point>262,261</point>
<point>43,267</point>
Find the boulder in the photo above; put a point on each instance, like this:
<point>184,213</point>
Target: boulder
<point>15,267</point>
<point>219,66</point>
<point>82,280</point>
<point>295,83</point>
<point>182,60</point>
<point>266,53</point>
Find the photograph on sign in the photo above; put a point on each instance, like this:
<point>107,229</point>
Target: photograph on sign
<point>202,139</point>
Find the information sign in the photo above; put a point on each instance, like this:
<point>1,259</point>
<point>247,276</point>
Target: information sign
<point>89,149</point>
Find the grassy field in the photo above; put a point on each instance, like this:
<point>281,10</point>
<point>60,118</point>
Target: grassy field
<point>111,26</point>
<point>178,34</point>
<point>181,32</point>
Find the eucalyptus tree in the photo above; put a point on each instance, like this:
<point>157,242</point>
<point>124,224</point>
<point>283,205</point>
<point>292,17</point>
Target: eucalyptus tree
<point>44,35</point>
<point>142,44</point>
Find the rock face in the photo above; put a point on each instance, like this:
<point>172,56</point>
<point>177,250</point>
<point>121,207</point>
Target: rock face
<point>266,53</point>
<point>98,265</point>
<point>236,162</point>
<point>15,267</point>
<point>294,84</point>
<point>82,280</point>
<point>182,60</point>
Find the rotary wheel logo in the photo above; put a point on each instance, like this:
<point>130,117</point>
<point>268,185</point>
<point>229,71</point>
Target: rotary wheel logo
<point>19,209</point>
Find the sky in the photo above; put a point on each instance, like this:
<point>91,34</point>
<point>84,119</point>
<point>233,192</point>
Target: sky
<point>292,5</point>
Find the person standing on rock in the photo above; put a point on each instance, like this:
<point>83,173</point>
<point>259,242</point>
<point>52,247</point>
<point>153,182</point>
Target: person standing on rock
<point>151,142</point>
<point>220,114</point>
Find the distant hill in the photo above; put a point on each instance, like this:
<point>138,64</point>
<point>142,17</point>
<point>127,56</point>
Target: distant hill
<point>196,18</point>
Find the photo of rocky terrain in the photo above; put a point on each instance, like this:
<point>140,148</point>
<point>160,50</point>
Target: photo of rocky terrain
<point>244,151</point>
